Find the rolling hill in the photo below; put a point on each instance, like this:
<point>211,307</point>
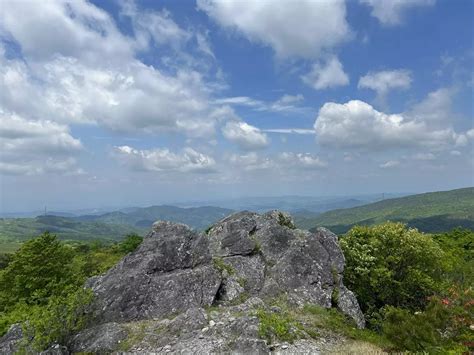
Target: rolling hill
<point>107,227</point>
<point>196,217</point>
<point>429,212</point>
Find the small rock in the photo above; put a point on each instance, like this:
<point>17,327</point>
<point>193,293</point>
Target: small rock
<point>205,329</point>
<point>212,323</point>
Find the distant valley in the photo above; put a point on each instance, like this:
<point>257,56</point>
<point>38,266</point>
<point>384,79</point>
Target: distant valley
<point>431,212</point>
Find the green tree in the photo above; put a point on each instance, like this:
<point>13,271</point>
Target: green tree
<point>39,269</point>
<point>130,243</point>
<point>390,264</point>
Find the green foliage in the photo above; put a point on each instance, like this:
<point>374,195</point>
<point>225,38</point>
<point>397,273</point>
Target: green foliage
<point>15,230</point>
<point>41,287</point>
<point>431,212</point>
<point>391,264</point>
<point>459,247</point>
<point>38,270</point>
<point>58,319</point>
<point>442,327</point>
<point>130,243</point>
<point>285,221</point>
<point>220,264</point>
<point>276,326</point>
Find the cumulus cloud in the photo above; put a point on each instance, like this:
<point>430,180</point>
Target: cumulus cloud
<point>70,28</point>
<point>357,124</point>
<point>302,160</point>
<point>162,160</point>
<point>90,73</point>
<point>246,136</point>
<point>436,107</point>
<point>135,98</point>
<point>35,147</point>
<point>328,75</point>
<point>384,81</point>
<point>390,12</point>
<point>251,161</point>
<point>281,163</point>
<point>304,28</point>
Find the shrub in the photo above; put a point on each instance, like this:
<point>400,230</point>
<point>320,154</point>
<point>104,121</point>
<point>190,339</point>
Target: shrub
<point>390,264</point>
<point>443,327</point>
<point>130,243</point>
<point>39,269</point>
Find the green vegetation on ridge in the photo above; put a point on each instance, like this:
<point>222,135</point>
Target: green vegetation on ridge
<point>430,212</point>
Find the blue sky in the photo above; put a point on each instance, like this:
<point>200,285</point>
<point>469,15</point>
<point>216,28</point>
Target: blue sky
<point>119,103</point>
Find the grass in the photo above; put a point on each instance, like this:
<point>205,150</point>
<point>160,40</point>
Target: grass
<point>430,212</point>
<point>222,266</point>
<point>291,323</point>
<point>9,247</point>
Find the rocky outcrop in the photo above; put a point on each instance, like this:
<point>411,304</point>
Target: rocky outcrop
<point>243,255</point>
<point>189,292</point>
<point>170,272</point>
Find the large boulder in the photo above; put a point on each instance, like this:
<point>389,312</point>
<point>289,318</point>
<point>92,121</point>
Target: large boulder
<point>244,255</point>
<point>170,272</point>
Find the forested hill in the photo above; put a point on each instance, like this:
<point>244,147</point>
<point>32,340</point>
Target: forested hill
<point>429,212</point>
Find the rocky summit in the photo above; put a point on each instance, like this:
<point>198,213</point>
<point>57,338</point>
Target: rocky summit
<point>212,292</point>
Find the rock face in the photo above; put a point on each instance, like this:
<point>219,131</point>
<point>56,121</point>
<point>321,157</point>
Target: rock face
<point>243,255</point>
<point>156,298</point>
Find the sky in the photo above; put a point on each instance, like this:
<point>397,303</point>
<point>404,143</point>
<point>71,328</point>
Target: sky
<point>133,103</point>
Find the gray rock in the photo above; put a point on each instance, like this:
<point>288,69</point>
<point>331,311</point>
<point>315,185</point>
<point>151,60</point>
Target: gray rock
<point>103,338</point>
<point>347,303</point>
<point>11,341</point>
<point>170,272</point>
<point>173,272</point>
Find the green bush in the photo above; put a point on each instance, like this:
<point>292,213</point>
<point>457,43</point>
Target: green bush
<point>41,287</point>
<point>130,243</point>
<point>39,269</point>
<point>390,264</point>
<point>443,327</point>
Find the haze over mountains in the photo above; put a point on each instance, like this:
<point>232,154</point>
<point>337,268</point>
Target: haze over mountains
<point>430,212</point>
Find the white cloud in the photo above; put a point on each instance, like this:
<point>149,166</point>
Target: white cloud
<point>245,136</point>
<point>79,68</point>
<point>329,75</point>
<point>239,100</point>
<point>77,29</point>
<point>204,45</point>
<point>357,124</point>
<point>390,12</point>
<point>36,147</point>
<point>302,28</point>
<point>285,103</point>
<point>290,130</point>
<point>132,98</point>
<point>251,161</point>
<point>436,107</point>
<point>384,81</point>
<point>156,26</point>
<point>302,160</point>
<point>390,164</point>
<point>290,99</point>
<point>161,160</point>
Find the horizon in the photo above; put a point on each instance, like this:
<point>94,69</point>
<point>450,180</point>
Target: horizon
<point>134,103</point>
<point>220,202</point>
